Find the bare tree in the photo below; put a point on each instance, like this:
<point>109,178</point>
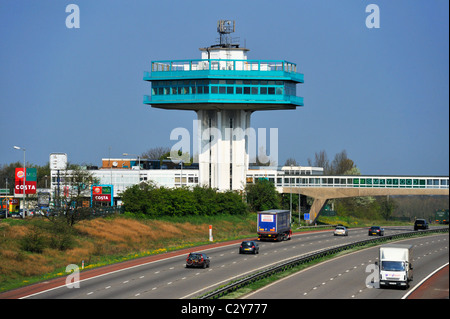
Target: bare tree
<point>291,162</point>
<point>320,160</point>
<point>156,152</point>
<point>76,183</point>
<point>341,164</point>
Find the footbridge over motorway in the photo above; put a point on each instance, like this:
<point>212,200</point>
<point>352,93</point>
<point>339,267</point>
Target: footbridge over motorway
<point>323,188</point>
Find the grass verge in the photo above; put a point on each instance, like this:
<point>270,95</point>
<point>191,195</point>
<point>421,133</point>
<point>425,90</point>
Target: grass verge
<point>34,250</point>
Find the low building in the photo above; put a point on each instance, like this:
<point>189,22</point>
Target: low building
<point>126,172</point>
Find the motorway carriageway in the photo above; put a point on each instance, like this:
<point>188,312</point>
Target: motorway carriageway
<point>344,277</point>
<point>165,276</point>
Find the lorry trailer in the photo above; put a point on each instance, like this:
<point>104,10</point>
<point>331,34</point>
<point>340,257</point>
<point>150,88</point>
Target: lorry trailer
<point>274,225</point>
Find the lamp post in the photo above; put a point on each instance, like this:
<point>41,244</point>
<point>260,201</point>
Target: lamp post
<point>24,177</point>
<point>290,200</point>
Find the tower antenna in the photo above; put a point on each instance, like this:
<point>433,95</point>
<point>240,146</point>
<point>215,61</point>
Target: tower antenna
<point>225,28</point>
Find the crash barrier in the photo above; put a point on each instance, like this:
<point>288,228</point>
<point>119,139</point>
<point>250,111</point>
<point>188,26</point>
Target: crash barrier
<point>316,227</point>
<point>311,257</point>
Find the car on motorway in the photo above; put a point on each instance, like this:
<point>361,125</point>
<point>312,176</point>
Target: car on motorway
<point>420,224</point>
<point>340,231</point>
<point>249,247</point>
<point>376,231</point>
<point>197,260</point>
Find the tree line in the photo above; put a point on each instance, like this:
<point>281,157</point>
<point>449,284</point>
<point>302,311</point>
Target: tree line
<point>147,200</point>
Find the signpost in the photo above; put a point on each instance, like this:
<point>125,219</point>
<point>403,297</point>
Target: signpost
<point>102,193</point>
<point>29,183</point>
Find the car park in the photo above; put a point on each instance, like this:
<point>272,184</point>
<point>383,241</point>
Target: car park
<point>420,224</point>
<point>249,247</point>
<point>341,231</point>
<point>376,231</point>
<point>197,260</point>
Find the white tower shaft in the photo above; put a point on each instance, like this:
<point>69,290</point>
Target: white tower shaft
<point>223,140</point>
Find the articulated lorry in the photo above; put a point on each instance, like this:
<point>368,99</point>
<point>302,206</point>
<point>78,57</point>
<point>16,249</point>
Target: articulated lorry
<point>274,225</point>
<point>395,265</point>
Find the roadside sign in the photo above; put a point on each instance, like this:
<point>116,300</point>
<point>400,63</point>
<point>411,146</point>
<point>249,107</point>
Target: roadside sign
<point>306,216</point>
<point>30,176</point>
<point>4,191</point>
<point>102,193</point>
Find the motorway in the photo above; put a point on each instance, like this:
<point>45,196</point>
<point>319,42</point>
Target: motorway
<point>169,279</point>
<point>345,277</point>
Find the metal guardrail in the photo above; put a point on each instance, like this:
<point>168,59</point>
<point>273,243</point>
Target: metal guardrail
<point>307,258</point>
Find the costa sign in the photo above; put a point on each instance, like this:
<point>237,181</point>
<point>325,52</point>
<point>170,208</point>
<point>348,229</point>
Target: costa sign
<point>102,193</point>
<point>29,174</point>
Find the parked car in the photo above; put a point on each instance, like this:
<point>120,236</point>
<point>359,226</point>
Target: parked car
<point>197,260</point>
<point>340,231</point>
<point>249,247</point>
<point>420,224</point>
<point>376,230</point>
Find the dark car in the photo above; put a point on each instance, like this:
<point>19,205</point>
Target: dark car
<point>376,230</point>
<point>420,224</point>
<point>249,247</point>
<point>197,260</point>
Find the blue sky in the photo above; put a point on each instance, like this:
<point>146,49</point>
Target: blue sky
<point>380,94</point>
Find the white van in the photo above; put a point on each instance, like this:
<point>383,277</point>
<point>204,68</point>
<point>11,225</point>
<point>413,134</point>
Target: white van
<point>395,265</point>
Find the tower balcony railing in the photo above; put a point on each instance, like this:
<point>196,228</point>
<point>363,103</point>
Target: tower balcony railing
<point>216,68</point>
<point>223,65</point>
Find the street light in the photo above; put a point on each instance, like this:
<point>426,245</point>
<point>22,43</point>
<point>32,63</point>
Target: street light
<point>24,177</point>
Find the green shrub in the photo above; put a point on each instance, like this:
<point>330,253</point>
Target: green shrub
<point>153,202</point>
<point>34,241</point>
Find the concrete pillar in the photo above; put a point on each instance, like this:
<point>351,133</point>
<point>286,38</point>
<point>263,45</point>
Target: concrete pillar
<point>223,154</point>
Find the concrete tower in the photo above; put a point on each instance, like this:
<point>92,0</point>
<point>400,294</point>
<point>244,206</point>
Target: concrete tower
<point>224,88</point>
